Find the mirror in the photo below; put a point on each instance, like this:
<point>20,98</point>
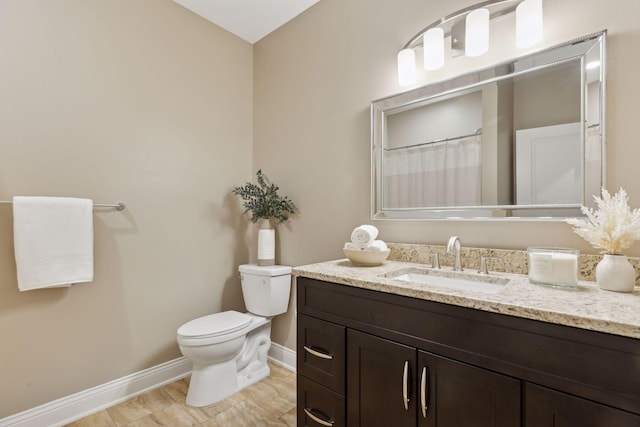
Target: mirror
<point>523,139</point>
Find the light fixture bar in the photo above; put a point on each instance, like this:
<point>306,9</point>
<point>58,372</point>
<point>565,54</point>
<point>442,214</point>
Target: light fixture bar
<point>468,30</point>
<point>496,7</point>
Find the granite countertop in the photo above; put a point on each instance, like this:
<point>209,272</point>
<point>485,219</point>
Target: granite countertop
<point>586,306</point>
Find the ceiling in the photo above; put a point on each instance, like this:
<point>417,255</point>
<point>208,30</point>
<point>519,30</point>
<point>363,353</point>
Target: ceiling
<point>248,19</point>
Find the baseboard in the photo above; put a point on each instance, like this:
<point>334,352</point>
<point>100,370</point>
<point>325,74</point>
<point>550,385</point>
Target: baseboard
<point>70,408</point>
<point>282,356</point>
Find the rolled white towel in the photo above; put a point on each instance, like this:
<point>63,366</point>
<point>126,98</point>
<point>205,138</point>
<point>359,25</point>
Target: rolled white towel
<point>363,235</point>
<point>352,246</point>
<point>376,245</point>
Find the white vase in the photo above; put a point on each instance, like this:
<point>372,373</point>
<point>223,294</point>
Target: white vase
<point>615,273</point>
<point>266,244</point>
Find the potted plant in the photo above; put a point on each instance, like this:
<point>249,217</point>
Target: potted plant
<point>613,227</point>
<point>267,206</point>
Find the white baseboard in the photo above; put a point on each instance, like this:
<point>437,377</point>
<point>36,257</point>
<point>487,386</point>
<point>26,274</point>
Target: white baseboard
<point>282,356</point>
<point>70,408</point>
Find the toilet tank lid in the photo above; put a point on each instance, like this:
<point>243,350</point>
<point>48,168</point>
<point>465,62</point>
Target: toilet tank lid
<point>269,270</point>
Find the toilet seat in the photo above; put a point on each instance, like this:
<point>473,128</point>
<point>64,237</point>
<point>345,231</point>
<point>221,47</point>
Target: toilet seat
<point>214,328</point>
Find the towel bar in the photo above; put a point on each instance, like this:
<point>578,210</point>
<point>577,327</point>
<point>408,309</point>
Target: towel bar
<point>119,205</point>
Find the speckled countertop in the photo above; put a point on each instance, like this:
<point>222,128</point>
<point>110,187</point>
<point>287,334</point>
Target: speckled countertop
<point>586,306</point>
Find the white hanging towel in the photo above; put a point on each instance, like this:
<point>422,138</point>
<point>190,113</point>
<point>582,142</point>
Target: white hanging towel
<point>53,241</point>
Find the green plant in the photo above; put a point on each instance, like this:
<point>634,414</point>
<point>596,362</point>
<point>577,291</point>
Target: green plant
<point>263,201</point>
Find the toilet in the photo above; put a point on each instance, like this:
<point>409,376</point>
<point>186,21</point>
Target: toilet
<point>229,349</point>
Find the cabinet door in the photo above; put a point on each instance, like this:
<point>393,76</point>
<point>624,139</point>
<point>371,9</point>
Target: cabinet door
<point>381,390</point>
<point>546,408</point>
<point>464,395</point>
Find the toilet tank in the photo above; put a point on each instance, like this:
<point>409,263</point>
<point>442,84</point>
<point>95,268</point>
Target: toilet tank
<point>266,289</point>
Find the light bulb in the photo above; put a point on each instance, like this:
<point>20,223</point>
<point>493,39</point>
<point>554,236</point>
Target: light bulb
<point>433,41</point>
<point>528,23</point>
<point>406,67</point>
<point>476,38</point>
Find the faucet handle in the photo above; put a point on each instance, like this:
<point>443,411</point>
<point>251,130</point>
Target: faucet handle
<point>483,264</point>
<point>436,261</point>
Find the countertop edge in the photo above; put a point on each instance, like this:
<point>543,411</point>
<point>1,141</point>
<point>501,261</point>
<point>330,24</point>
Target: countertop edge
<point>586,307</point>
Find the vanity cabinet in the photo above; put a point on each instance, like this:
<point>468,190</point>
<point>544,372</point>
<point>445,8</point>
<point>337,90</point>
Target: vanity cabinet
<point>368,358</point>
<point>390,384</point>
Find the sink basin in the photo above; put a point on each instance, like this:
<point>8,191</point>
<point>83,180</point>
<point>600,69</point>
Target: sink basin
<point>452,280</point>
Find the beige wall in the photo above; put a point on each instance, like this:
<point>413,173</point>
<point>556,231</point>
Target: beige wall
<point>314,79</point>
<point>140,101</point>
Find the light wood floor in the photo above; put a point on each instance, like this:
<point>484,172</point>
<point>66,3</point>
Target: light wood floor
<point>270,402</point>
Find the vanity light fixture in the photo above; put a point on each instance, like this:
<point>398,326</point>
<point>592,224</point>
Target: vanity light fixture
<point>468,30</point>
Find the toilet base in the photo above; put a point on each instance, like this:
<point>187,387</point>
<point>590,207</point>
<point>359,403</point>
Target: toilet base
<point>222,376</point>
<point>212,383</point>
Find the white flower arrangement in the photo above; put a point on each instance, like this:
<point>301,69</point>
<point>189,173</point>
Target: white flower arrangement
<point>613,227</point>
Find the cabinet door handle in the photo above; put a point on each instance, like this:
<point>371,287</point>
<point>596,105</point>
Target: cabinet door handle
<point>317,419</point>
<point>405,385</point>
<point>318,353</point>
<point>424,392</point>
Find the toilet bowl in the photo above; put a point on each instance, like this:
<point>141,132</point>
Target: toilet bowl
<point>229,349</point>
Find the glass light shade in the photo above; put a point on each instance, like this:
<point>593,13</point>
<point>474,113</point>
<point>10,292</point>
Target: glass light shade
<point>433,41</point>
<point>476,38</point>
<point>406,67</point>
<point>529,23</point>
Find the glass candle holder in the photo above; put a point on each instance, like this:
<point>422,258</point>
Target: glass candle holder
<point>553,266</point>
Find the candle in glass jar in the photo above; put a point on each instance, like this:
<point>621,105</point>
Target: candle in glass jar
<point>553,266</point>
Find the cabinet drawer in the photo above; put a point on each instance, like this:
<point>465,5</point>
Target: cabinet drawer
<point>321,352</point>
<point>319,406</point>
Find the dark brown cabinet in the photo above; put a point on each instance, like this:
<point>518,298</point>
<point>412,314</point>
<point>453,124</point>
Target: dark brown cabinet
<point>393,384</point>
<point>380,383</point>
<point>321,373</point>
<point>465,395</point>
<point>369,359</point>
<point>551,408</point>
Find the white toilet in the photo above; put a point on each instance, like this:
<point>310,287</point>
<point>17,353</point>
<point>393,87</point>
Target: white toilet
<point>229,349</point>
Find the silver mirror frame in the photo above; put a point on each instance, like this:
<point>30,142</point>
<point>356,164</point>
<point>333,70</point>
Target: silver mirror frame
<point>564,52</point>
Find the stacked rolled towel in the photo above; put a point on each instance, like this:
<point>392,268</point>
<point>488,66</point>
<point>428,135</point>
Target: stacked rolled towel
<point>363,235</point>
<point>376,245</point>
<point>363,238</point>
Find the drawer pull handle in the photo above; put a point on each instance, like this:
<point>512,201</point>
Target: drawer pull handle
<point>318,419</point>
<point>405,385</point>
<point>318,353</point>
<point>423,392</point>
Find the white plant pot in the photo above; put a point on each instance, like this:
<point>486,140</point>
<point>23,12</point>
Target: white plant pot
<point>266,244</point>
<point>615,273</point>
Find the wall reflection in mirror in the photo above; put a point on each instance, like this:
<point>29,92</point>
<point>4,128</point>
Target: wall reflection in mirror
<point>522,139</point>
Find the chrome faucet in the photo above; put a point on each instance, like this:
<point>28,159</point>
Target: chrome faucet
<point>454,247</point>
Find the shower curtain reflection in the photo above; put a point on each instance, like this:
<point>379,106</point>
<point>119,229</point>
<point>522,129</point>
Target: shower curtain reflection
<point>440,174</point>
